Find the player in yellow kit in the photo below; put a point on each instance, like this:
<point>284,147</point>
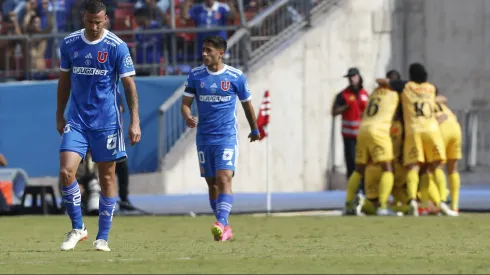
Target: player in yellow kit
<point>423,142</point>
<point>451,134</point>
<point>374,145</point>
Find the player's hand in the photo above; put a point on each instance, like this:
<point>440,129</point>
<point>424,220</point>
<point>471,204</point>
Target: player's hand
<point>60,124</point>
<point>134,133</point>
<point>254,136</point>
<point>191,122</point>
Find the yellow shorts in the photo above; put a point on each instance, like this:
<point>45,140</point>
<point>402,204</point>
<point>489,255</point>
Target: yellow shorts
<point>373,145</point>
<point>451,134</point>
<point>423,147</point>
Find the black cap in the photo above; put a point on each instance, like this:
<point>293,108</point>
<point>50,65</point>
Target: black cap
<point>352,72</point>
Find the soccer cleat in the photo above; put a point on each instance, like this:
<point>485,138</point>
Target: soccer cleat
<point>218,231</point>
<point>446,210</point>
<point>101,245</point>
<point>413,208</point>
<point>385,212</point>
<point>73,237</point>
<point>227,234</point>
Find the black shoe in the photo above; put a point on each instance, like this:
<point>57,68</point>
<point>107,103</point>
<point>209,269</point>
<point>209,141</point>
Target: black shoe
<point>126,205</point>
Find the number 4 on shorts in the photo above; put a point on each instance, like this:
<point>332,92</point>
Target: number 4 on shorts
<point>228,154</point>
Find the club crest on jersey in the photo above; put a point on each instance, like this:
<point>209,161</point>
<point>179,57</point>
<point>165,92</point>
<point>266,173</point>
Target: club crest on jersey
<point>225,85</point>
<point>102,56</point>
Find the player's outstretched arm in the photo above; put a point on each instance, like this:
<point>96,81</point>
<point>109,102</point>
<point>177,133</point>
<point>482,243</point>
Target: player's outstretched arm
<point>186,110</point>
<point>133,105</point>
<point>63,93</point>
<point>252,120</point>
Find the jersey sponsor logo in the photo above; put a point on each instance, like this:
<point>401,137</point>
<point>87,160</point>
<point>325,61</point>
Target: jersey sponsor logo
<point>89,71</point>
<point>102,56</point>
<point>72,39</point>
<point>225,85</point>
<point>128,62</point>
<point>214,98</point>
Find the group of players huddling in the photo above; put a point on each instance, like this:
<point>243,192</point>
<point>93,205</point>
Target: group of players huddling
<point>93,60</point>
<point>407,135</point>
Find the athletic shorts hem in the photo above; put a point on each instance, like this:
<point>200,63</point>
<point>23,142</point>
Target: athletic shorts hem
<point>119,159</point>
<point>73,151</point>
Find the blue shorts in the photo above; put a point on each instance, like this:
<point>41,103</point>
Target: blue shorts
<point>105,145</point>
<point>216,157</point>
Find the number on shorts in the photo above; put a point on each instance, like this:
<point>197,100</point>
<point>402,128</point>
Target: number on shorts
<point>200,155</point>
<point>372,107</point>
<point>228,154</point>
<point>420,108</point>
<point>438,107</point>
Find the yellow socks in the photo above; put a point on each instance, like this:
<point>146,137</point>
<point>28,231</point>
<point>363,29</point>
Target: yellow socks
<point>433,190</point>
<point>352,186</point>
<point>385,186</point>
<point>368,208</point>
<point>454,185</point>
<point>424,190</point>
<point>441,182</point>
<point>412,184</point>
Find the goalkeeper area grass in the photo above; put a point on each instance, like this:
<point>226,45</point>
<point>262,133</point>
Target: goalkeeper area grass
<point>294,245</point>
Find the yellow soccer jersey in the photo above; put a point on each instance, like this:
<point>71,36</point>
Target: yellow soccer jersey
<point>381,108</point>
<point>442,109</point>
<point>418,104</point>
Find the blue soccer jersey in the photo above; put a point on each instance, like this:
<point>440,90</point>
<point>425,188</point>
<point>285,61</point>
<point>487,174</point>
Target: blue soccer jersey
<point>215,94</point>
<point>96,67</point>
<point>93,119</point>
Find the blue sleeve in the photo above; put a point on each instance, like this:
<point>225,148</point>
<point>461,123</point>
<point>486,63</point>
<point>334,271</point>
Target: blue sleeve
<point>190,87</point>
<point>124,62</point>
<point>243,90</point>
<point>65,62</point>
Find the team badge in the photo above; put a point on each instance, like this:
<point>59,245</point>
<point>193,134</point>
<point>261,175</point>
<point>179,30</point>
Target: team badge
<point>102,56</point>
<point>225,85</point>
<point>128,62</point>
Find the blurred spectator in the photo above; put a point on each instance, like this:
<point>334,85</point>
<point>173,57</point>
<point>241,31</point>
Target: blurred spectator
<point>37,47</point>
<point>210,13</point>
<point>149,46</point>
<point>9,26</point>
<point>153,10</point>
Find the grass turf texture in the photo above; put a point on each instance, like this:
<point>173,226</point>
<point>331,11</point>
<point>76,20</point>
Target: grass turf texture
<point>362,245</point>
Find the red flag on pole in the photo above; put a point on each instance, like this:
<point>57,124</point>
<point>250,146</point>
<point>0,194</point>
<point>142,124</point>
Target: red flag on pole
<point>264,113</point>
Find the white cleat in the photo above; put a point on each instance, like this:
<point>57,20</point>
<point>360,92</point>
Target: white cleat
<point>385,212</point>
<point>413,208</point>
<point>447,211</point>
<point>101,245</point>
<point>73,237</point>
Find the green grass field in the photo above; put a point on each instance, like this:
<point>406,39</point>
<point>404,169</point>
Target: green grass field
<point>261,245</point>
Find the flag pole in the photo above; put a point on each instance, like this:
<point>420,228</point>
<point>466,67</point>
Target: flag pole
<point>267,186</point>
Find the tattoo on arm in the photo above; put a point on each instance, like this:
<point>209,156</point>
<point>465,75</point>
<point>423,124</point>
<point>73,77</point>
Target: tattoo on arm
<point>132,100</point>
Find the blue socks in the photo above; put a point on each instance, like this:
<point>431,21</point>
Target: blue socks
<point>213,206</point>
<point>72,201</point>
<point>223,208</point>
<point>106,210</point>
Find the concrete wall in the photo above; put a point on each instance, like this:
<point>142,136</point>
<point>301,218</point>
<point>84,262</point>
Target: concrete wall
<point>303,81</point>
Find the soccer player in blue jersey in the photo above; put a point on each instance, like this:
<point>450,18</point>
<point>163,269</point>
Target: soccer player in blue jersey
<point>92,62</point>
<point>215,87</point>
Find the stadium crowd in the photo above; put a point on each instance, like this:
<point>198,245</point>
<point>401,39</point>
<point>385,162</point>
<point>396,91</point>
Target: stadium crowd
<point>40,55</point>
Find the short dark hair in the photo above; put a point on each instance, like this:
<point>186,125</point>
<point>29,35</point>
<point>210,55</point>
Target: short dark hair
<point>95,6</point>
<point>393,74</point>
<point>217,41</point>
<point>417,73</point>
